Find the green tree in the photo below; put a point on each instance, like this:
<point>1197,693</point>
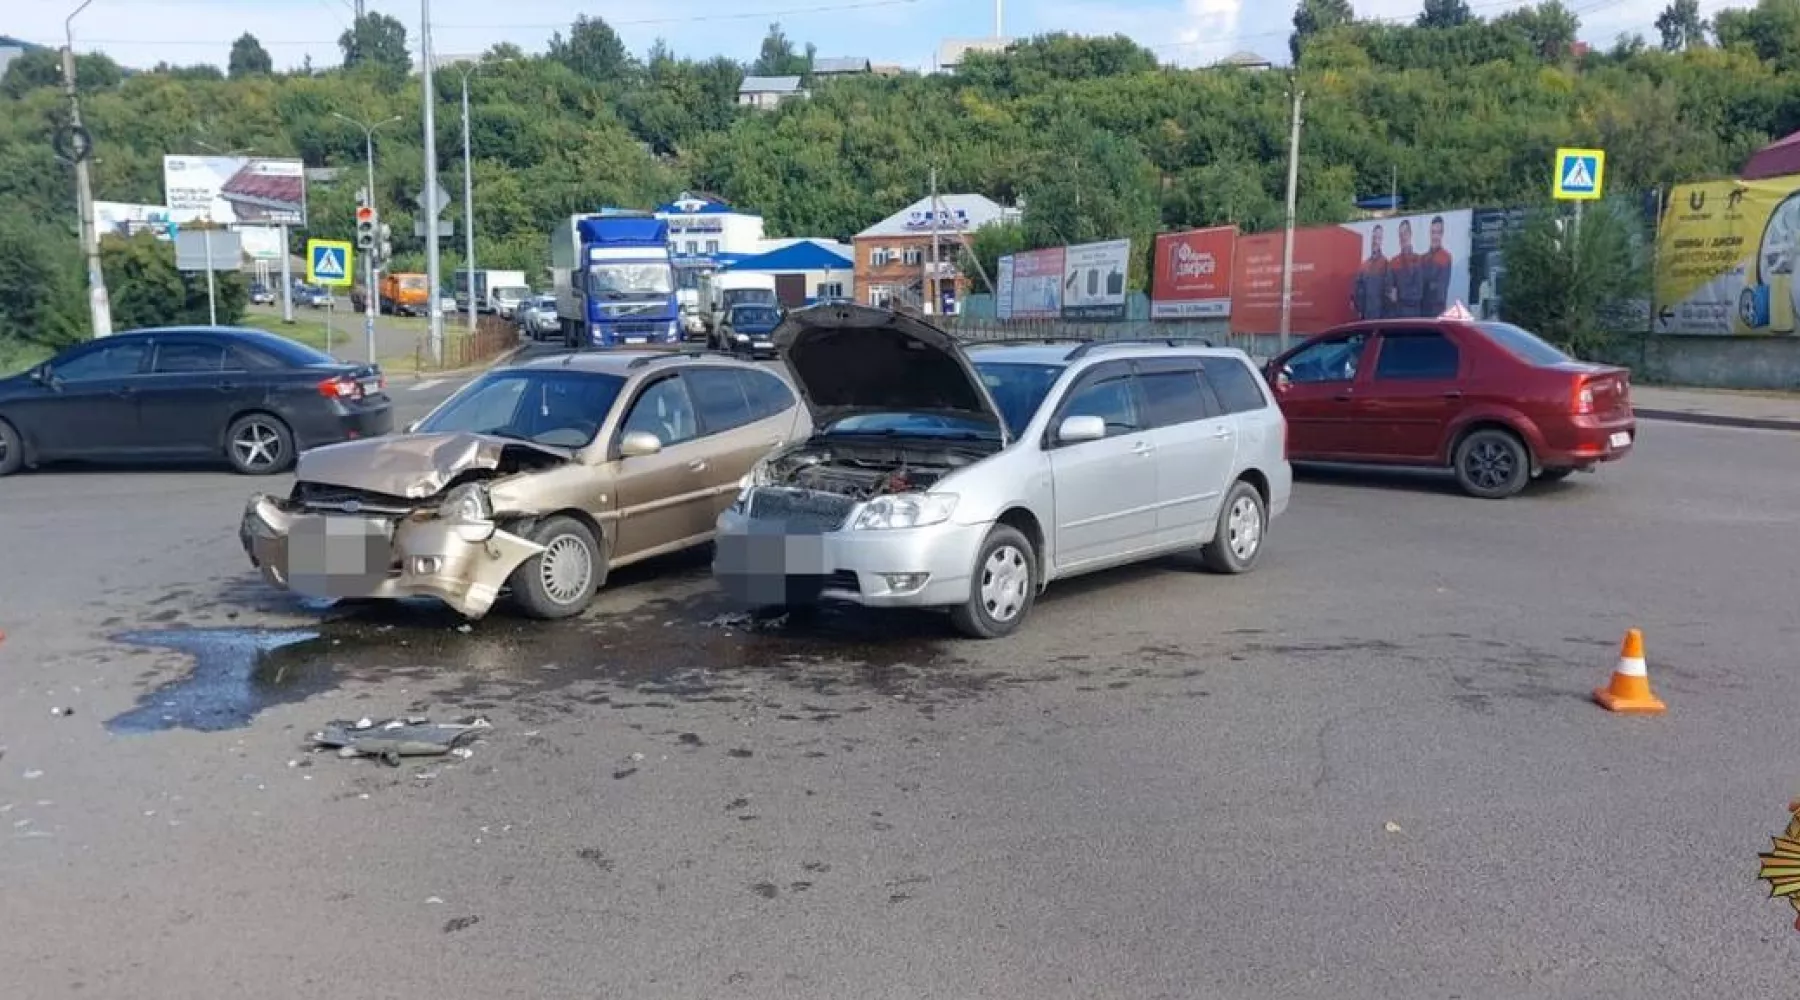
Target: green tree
<point>1550,26</point>
<point>376,40</point>
<point>42,69</point>
<point>1315,16</point>
<point>45,302</point>
<point>989,244</point>
<point>593,50</point>
<point>146,289</point>
<point>778,57</point>
<point>248,58</point>
<point>1771,30</point>
<point>1444,14</point>
<point>1563,280</point>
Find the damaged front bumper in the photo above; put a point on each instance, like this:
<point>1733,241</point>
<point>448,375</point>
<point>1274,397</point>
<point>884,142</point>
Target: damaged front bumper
<point>766,563</point>
<point>384,557</point>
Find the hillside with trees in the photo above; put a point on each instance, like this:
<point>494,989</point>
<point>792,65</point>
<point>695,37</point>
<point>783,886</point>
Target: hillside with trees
<point>1093,135</point>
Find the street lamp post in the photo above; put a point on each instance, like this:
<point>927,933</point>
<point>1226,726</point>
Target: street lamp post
<point>99,305</point>
<point>433,275</point>
<point>369,293</point>
<point>469,194</point>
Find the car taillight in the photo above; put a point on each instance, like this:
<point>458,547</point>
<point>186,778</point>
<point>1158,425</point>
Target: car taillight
<point>342,387</point>
<point>1584,398</point>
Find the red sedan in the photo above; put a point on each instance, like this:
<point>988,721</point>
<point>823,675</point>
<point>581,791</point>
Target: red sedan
<point>1494,404</point>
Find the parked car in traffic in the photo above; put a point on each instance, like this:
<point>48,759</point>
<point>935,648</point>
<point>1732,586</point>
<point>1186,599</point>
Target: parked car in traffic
<point>939,477</point>
<point>745,330</point>
<point>1491,402</point>
<point>536,478</point>
<point>538,319</point>
<point>261,294</point>
<point>506,301</point>
<point>252,398</point>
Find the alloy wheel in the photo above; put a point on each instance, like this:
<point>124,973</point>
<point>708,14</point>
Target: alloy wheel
<point>1490,464</point>
<point>258,446</point>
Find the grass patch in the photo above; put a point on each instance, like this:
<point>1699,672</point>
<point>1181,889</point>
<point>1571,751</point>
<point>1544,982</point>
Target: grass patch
<point>18,355</point>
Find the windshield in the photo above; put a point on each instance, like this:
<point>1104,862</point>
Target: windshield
<point>412,282</point>
<point>914,425</point>
<point>755,316</point>
<point>1018,390</point>
<point>618,281</point>
<point>511,294</point>
<point>563,409</point>
<point>1523,344</point>
<point>736,296</point>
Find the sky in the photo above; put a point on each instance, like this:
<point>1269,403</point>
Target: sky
<point>141,33</point>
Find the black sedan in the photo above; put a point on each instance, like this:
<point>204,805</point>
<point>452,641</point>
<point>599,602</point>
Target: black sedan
<point>253,398</point>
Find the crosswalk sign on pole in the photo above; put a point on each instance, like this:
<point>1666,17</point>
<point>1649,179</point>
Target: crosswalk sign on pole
<point>330,263</point>
<point>1580,174</point>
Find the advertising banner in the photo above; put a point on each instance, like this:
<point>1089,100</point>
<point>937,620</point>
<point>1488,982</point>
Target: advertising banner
<point>1093,284</point>
<point>234,190</point>
<point>1037,285</point>
<point>1408,266</point>
<point>118,218</point>
<point>1003,289</point>
<point>1489,229</point>
<point>1725,258</point>
<point>1192,276</point>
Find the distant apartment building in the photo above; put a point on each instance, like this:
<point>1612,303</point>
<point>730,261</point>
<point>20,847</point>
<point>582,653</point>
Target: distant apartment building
<point>894,257</point>
<point>766,92</point>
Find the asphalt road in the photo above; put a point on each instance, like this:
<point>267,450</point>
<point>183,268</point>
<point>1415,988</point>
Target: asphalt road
<point>1369,769</point>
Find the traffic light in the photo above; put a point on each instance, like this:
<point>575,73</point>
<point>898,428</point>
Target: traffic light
<point>387,247</point>
<point>365,228</point>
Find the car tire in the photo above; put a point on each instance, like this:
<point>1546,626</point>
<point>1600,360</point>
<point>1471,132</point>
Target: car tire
<point>12,450</point>
<point>1555,475</point>
<point>258,444</point>
<point>1243,527</point>
<point>1492,464</point>
<point>559,582</point>
<point>997,605</point>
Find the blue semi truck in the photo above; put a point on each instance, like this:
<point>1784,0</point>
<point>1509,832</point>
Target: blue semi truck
<point>614,280</point>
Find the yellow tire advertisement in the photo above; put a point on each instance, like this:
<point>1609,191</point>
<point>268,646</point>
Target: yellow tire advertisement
<point>1725,258</point>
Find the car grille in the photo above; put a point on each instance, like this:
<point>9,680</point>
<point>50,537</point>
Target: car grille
<point>322,497</point>
<point>803,510</point>
<point>622,330</point>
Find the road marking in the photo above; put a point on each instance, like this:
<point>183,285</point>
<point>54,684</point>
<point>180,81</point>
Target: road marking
<point>428,383</point>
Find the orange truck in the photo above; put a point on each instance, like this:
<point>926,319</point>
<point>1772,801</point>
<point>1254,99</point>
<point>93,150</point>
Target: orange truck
<point>406,294</point>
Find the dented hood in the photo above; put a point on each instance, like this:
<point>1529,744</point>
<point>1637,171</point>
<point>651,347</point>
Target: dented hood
<point>414,466</point>
<point>850,359</point>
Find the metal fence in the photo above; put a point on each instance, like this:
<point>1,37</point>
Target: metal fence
<point>1216,332</point>
<point>493,337</point>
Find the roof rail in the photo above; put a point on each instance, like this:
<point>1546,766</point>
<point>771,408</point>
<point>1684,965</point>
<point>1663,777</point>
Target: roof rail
<point>1002,341</point>
<point>1090,346</point>
<point>650,359</point>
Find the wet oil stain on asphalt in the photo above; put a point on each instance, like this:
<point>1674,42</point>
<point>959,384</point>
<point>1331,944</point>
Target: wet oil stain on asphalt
<point>237,673</point>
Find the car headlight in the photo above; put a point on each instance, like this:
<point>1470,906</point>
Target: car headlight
<point>906,510</point>
<point>741,336</point>
<point>467,504</point>
<point>757,476</point>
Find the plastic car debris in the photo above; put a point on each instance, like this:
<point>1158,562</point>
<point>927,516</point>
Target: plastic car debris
<point>413,736</point>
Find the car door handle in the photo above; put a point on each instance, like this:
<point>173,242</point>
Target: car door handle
<point>124,393</point>
<point>1342,397</point>
<point>1141,448</point>
<point>698,465</point>
<point>1221,432</point>
<point>226,386</point>
<point>1453,394</point>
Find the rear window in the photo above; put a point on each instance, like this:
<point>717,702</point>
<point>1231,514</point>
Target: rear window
<point>288,353</point>
<point>1523,344</point>
<point>1235,385</point>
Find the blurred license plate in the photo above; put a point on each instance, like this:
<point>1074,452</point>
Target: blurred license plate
<point>634,340</point>
<point>1621,440</point>
<point>336,555</point>
<point>371,386</point>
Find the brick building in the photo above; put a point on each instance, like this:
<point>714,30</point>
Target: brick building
<point>894,257</point>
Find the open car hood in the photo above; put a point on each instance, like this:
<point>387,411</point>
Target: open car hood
<point>848,359</point>
<point>413,466</point>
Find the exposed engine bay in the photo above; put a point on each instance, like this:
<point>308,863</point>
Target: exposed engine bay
<point>863,471</point>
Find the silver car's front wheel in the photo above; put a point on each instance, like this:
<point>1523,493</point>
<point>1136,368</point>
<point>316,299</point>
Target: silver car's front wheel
<point>1002,587</point>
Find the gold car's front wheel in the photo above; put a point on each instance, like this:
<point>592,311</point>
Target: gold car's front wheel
<point>559,582</point>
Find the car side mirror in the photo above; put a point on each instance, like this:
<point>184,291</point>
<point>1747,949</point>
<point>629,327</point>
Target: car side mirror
<point>44,376</point>
<point>638,444</point>
<point>1075,430</point>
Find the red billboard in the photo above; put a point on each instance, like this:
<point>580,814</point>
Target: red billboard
<point>1389,268</point>
<point>1193,274</point>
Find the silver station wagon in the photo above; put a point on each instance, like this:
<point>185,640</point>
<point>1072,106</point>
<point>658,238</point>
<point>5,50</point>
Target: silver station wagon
<point>939,476</point>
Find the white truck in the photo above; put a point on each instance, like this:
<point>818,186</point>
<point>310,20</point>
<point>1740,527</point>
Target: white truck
<point>495,291</point>
<point>721,290</point>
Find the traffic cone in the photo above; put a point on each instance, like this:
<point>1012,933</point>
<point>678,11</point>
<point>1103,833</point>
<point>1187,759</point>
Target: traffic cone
<point>1629,690</point>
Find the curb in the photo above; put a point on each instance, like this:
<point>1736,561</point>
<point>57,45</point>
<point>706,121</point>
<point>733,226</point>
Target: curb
<point>1717,420</point>
<point>498,359</point>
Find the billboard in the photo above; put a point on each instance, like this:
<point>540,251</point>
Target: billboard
<point>234,190</point>
<point>1725,258</point>
<point>118,218</point>
<point>1393,268</point>
<point>1489,229</point>
<point>1037,284</point>
<point>1003,289</point>
<point>1093,283</point>
<point>1192,275</point>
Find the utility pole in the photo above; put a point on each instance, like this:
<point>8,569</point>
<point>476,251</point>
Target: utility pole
<point>432,271</point>
<point>1287,242</point>
<point>468,199</point>
<point>998,32</point>
<point>931,278</point>
<point>80,148</point>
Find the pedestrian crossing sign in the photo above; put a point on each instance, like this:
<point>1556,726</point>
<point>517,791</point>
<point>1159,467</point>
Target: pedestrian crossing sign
<point>1580,173</point>
<point>328,262</point>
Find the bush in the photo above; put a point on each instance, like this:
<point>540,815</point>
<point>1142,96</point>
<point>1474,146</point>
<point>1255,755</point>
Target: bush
<point>1564,281</point>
